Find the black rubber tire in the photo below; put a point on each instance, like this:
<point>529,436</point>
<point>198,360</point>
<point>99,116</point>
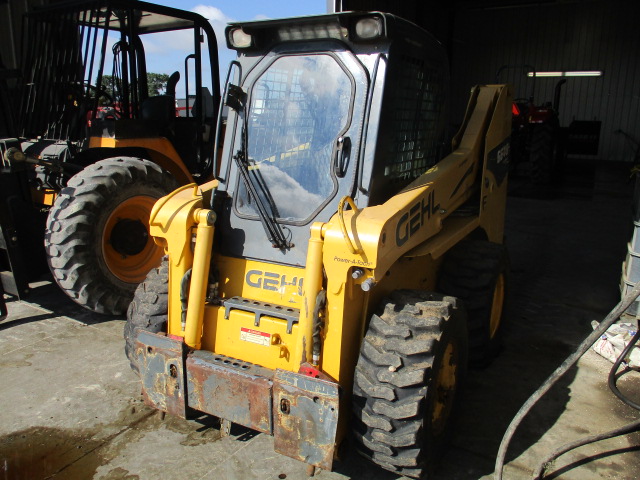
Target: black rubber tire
<point>542,153</point>
<point>76,224</point>
<point>470,272</point>
<point>149,309</point>
<point>397,383</point>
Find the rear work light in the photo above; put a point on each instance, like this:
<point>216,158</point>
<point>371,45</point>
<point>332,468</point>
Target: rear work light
<point>318,31</point>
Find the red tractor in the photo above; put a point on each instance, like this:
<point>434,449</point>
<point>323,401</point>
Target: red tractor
<point>535,133</point>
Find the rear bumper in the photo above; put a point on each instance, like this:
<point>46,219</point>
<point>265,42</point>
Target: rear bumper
<point>300,412</point>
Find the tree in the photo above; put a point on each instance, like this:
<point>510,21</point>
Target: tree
<point>156,84</point>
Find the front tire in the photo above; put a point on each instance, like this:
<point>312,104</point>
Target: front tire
<point>407,379</point>
<point>148,311</point>
<point>97,236</point>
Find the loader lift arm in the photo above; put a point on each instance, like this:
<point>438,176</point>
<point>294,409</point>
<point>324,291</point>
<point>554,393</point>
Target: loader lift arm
<point>381,234</point>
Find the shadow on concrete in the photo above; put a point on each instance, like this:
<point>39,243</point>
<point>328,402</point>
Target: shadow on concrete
<point>567,468</point>
<point>46,294</point>
<point>492,398</point>
<point>356,467</point>
<point>5,325</point>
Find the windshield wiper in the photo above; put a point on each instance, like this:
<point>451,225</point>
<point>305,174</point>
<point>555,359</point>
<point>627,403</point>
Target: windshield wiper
<point>253,182</point>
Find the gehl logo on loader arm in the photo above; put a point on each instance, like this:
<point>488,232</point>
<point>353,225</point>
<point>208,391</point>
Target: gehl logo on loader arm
<point>419,213</point>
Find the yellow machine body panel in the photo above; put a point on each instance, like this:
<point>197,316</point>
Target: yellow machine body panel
<point>236,335</point>
<point>399,244</point>
<point>240,331</point>
<point>278,284</point>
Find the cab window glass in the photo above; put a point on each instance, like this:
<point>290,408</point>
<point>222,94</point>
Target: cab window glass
<point>298,108</point>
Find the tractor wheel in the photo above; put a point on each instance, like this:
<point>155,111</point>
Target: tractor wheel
<point>475,271</point>
<point>542,154</point>
<point>407,379</point>
<point>148,311</point>
<point>97,237</point>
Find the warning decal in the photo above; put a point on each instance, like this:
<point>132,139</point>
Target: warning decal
<point>254,336</point>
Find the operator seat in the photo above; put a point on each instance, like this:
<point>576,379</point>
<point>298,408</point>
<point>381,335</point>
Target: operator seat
<point>162,108</point>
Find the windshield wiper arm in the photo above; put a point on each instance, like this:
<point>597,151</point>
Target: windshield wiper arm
<point>236,99</point>
<point>268,216</point>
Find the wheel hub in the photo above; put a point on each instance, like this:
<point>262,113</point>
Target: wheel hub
<point>128,251</point>
<point>129,237</point>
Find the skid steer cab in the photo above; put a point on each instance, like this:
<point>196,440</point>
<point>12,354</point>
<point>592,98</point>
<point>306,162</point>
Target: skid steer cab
<point>341,269</point>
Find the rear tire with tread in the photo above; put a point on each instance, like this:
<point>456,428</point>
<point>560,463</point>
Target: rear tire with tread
<point>411,364</point>
<point>78,251</point>
<point>475,271</point>
<point>542,153</point>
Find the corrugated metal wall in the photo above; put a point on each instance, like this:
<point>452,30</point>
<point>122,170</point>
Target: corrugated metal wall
<point>569,35</point>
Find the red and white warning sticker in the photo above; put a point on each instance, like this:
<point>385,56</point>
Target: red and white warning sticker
<point>255,336</point>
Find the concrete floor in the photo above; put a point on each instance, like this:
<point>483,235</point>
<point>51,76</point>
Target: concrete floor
<point>71,408</point>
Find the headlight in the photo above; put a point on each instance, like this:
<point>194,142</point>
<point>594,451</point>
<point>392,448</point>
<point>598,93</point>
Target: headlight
<point>368,28</point>
<point>239,39</point>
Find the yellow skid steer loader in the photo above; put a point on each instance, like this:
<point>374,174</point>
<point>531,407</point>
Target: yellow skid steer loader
<point>343,268</point>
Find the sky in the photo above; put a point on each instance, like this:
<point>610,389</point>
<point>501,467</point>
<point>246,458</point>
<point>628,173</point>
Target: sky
<point>165,55</point>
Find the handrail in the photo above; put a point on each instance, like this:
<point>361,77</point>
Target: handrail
<point>343,227</point>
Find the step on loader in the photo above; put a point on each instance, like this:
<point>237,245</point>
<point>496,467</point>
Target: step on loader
<point>342,270</point>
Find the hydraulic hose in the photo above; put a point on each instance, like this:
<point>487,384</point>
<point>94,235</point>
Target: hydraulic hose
<point>559,372</point>
<point>185,282</point>
<point>321,301</point>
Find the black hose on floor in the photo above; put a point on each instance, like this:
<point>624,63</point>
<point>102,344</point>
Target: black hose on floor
<point>629,428</point>
<point>559,372</point>
<point>614,372</point>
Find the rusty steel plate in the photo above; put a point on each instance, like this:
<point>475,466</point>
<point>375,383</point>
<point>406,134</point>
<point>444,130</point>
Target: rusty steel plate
<point>230,389</point>
<point>161,363</point>
<point>305,418</point>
